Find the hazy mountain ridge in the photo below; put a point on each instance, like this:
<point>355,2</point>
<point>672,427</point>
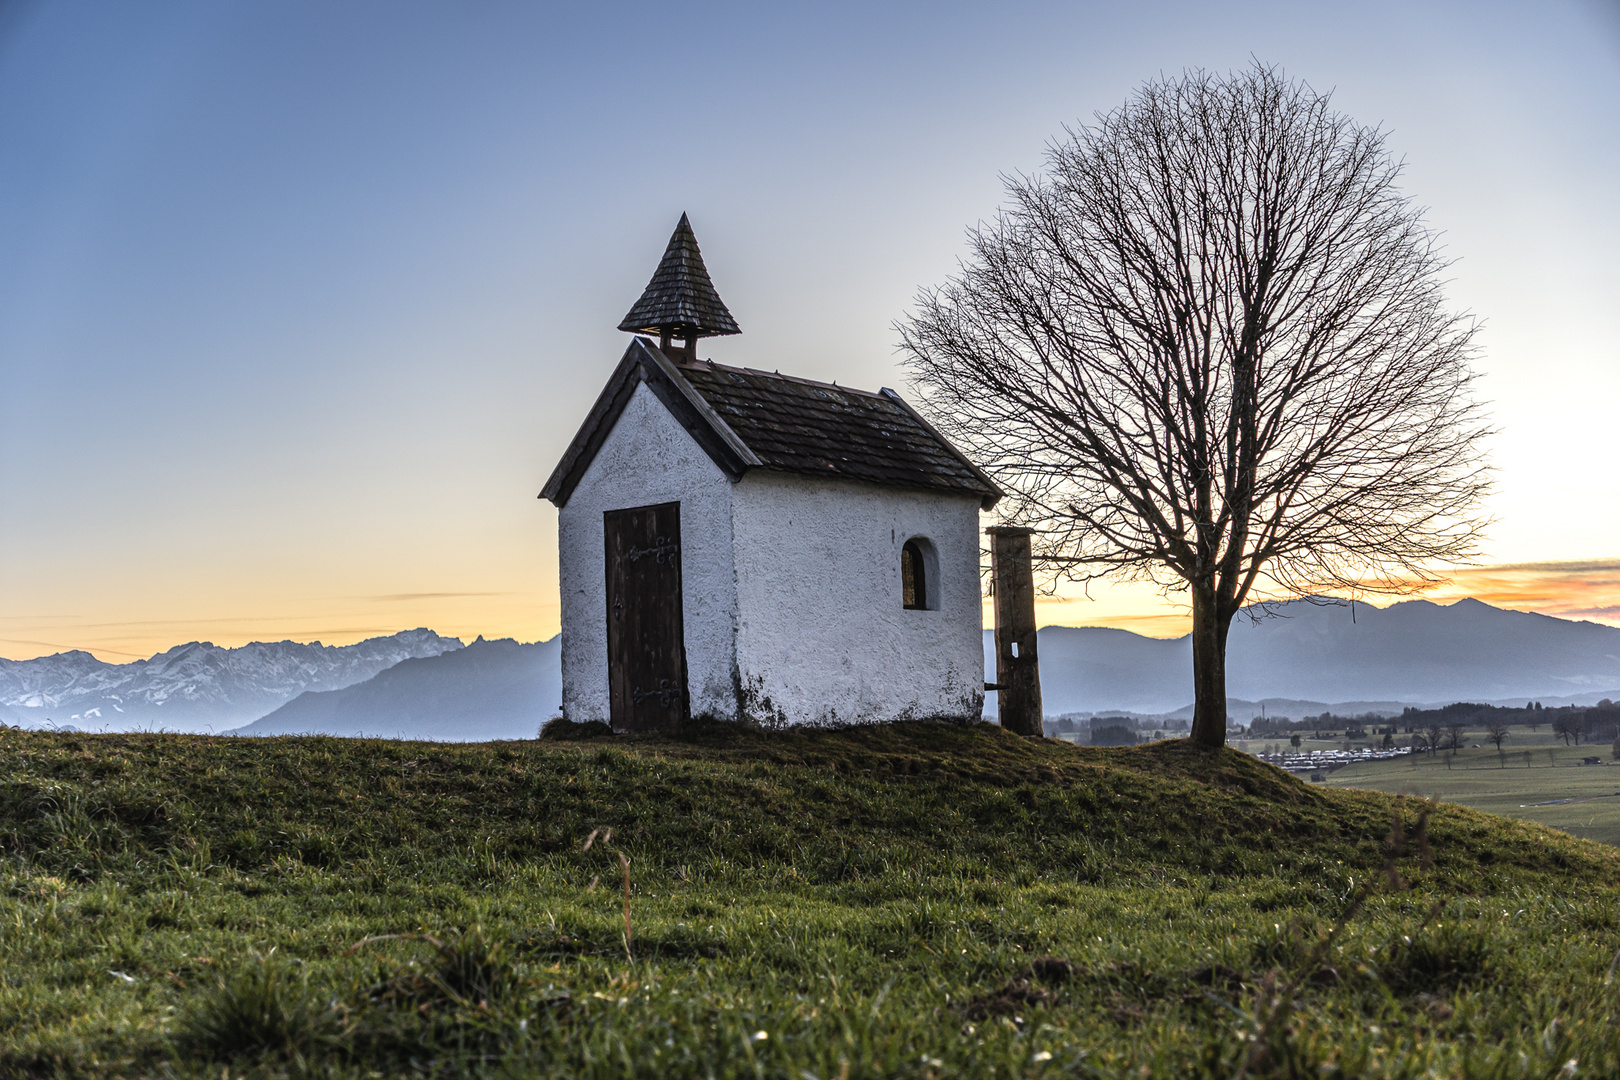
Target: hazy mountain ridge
<point>196,686</point>
<point>489,690</point>
<point>1309,659</point>
<point>1317,656</point>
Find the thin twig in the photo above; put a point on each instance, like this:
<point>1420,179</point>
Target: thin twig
<point>624,864</point>
<point>429,938</point>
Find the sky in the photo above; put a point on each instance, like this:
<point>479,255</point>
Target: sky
<point>301,302</point>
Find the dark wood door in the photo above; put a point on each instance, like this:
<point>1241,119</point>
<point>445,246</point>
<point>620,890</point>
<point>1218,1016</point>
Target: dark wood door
<point>646,646</point>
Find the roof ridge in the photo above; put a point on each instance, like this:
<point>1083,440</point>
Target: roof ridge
<point>788,378</point>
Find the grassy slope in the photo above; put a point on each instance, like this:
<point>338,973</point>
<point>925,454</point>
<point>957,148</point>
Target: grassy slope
<point>870,900</point>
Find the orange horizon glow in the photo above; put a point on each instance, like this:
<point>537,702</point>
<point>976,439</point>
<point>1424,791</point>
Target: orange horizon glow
<point>1581,590</point>
<point>1588,590</point>
<point>527,616</point>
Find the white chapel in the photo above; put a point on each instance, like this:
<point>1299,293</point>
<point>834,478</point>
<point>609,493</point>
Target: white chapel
<point>745,545</point>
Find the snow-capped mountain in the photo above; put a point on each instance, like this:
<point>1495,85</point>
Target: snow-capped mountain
<point>197,686</point>
<point>489,690</point>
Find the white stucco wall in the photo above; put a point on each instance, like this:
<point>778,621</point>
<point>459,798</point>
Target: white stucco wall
<point>821,634</point>
<point>648,458</point>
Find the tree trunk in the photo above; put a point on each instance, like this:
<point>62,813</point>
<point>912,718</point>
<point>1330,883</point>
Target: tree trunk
<point>1209,667</point>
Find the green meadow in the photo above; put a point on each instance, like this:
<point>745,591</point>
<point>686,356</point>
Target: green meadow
<point>913,900</point>
<point>1534,777</point>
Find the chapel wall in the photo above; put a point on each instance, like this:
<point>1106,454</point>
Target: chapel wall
<point>649,458</point>
<point>822,637</point>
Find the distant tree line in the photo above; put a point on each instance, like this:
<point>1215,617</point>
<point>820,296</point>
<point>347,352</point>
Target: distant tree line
<point>1113,732</point>
<point>1086,724</point>
<point>1575,724</point>
<point>1322,725</point>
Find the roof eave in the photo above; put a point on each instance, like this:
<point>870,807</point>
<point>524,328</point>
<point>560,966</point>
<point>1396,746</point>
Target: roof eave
<point>920,486</point>
<point>989,497</point>
<point>678,328</point>
<point>592,431</point>
<point>739,457</point>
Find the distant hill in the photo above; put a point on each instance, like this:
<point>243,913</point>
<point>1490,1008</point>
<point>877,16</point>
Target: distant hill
<point>488,690</point>
<point>196,687</point>
<point>1416,652</point>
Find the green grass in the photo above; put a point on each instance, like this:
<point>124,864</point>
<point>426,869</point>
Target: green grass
<point>912,900</point>
<point>1532,768</point>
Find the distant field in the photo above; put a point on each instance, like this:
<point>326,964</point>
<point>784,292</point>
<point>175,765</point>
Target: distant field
<point>1531,771</point>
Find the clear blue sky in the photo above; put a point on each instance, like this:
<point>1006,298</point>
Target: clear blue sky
<point>300,302</point>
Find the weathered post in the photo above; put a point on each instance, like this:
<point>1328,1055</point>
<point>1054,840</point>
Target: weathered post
<point>1018,669</point>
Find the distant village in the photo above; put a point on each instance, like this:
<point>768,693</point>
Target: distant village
<point>1315,745</point>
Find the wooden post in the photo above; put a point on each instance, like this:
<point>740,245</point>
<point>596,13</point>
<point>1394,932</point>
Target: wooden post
<point>1018,669</point>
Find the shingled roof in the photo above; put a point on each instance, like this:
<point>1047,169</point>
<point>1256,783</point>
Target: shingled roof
<point>818,429</point>
<point>747,419</point>
<point>680,297</point>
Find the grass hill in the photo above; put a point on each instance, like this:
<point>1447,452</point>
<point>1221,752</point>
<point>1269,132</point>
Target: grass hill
<point>913,900</point>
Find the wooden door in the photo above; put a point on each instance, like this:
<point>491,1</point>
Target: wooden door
<point>646,645</point>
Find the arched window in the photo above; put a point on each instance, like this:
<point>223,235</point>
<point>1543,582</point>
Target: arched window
<point>913,577</point>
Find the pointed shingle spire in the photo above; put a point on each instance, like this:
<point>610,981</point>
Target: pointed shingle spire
<point>680,300</point>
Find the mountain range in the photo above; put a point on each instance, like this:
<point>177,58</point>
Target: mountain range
<point>488,690</point>
<point>1362,658</point>
<point>1304,659</point>
<point>196,687</point>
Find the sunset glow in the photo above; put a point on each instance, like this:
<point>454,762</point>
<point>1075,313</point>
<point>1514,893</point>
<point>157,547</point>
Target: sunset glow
<point>1588,590</point>
<point>1569,590</point>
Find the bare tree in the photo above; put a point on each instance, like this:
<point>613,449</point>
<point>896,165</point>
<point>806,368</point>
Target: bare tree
<point>1207,347</point>
<point>1566,727</point>
<point>1433,729</point>
<point>1497,732</point>
<point>1454,735</point>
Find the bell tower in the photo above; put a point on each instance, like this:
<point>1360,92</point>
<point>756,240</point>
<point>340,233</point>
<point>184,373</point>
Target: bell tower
<point>680,301</point>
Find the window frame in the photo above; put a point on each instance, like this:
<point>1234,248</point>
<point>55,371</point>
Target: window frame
<point>917,556</point>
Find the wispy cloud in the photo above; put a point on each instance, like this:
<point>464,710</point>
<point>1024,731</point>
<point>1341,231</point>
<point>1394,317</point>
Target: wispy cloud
<point>256,620</point>
<point>1590,566</point>
<point>67,648</point>
<point>1585,589</point>
<point>409,597</point>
